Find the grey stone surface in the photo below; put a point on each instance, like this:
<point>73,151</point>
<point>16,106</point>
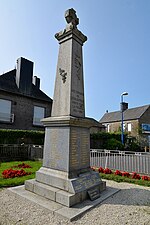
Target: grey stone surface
<point>58,209</point>
<point>69,84</point>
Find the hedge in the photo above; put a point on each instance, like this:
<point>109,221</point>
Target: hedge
<point>21,136</point>
<point>106,140</point>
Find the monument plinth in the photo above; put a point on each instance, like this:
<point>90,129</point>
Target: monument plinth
<point>65,176</point>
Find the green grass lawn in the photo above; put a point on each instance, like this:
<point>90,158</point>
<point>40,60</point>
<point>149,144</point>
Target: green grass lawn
<point>18,180</point>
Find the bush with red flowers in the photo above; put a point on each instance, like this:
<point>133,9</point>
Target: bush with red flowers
<point>145,178</point>
<point>136,176</point>
<point>125,174</point>
<point>100,170</point>
<point>22,165</point>
<point>118,173</point>
<point>107,171</point>
<point>10,173</point>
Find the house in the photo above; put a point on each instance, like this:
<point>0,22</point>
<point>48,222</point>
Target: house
<point>22,103</point>
<point>136,121</point>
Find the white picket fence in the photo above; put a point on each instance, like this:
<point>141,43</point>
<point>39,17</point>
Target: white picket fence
<point>119,160</point>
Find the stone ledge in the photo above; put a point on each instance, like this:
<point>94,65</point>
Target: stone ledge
<point>69,213</point>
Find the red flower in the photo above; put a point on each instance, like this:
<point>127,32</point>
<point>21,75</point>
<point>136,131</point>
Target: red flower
<point>100,170</point>
<point>145,178</point>
<point>118,173</point>
<point>136,176</point>
<point>10,173</point>
<point>23,165</point>
<point>107,171</point>
<point>126,174</point>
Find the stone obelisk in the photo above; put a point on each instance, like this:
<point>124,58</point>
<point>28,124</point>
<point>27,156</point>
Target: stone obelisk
<point>65,176</point>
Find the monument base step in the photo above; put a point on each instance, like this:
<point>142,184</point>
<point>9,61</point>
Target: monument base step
<point>57,195</point>
<point>71,213</point>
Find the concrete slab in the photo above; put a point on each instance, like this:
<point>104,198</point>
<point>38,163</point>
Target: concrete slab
<point>69,213</point>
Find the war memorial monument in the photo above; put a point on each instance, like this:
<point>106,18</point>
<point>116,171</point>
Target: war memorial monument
<point>65,176</point>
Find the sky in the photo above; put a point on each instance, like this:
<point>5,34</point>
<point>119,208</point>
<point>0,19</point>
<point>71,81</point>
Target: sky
<point>116,56</point>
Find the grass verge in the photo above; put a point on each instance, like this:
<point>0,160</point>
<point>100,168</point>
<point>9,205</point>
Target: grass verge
<point>18,180</point>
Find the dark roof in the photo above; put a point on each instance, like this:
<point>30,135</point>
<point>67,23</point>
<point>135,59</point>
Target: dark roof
<point>8,83</point>
<point>128,114</point>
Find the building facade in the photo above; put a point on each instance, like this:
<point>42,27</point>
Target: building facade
<point>136,122</point>
<point>22,103</point>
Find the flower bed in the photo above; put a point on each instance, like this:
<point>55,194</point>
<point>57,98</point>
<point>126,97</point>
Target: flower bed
<point>22,165</point>
<point>133,175</point>
<point>10,173</point>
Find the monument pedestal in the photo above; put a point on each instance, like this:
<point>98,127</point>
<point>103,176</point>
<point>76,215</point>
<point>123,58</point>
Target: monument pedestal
<point>66,176</point>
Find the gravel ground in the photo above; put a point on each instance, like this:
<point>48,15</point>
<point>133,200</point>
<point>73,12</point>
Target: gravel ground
<point>129,206</point>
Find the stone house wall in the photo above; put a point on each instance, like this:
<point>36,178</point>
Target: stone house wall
<point>23,108</point>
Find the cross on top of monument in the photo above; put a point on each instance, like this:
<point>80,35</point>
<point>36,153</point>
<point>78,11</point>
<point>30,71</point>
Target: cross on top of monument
<point>71,17</point>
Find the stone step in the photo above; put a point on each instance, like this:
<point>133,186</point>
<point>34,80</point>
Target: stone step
<point>55,194</point>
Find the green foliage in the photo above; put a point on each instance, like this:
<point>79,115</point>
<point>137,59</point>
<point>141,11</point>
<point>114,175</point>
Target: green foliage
<point>21,136</point>
<point>106,136</point>
<point>106,140</point>
<point>134,147</point>
<point>114,144</point>
<point>18,180</point>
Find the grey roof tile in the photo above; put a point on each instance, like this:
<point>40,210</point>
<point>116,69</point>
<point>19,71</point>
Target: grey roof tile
<point>129,114</point>
<point>8,83</point>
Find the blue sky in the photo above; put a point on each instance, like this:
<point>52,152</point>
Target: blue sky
<point>116,55</point>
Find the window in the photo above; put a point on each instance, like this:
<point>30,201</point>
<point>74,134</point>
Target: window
<point>39,113</point>
<point>108,128</point>
<point>5,111</point>
<point>129,127</point>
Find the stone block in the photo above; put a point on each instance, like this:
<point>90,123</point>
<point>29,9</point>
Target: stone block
<point>102,186</point>
<point>53,178</point>
<point>45,191</point>
<point>29,185</point>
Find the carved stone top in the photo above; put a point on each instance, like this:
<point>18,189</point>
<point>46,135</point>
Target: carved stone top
<point>71,17</point>
<point>71,28</point>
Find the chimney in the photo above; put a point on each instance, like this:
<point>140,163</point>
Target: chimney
<point>36,81</point>
<point>123,106</point>
<point>24,75</point>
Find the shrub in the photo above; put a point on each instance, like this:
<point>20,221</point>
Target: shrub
<point>118,173</point>
<point>10,173</point>
<point>145,178</point>
<point>22,165</point>
<point>126,174</point>
<point>107,171</point>
<point>114,144</point>
<point>21,136</point>
<point>136,176</point>
<point>100,170</point>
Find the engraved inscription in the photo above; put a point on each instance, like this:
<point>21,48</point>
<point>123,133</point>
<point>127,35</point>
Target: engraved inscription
<point>77,102</point>
<point>75,146</point>
<point>94,193</point>
<point>79,154</point>
<point>78,65</point>
<point>86,182</point>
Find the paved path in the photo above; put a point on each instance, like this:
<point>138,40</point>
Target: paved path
<point>130,206</point>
